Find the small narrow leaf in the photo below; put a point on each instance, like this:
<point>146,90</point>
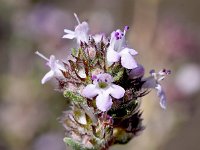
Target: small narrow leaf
<point>74,97</point>
<point>74,52</point>
<point>76,145</point>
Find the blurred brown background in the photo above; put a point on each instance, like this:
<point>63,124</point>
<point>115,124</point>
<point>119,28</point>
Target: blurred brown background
<point>166,33</point>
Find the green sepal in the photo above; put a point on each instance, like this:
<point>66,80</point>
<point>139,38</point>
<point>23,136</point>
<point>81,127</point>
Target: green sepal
<point>121,136</point>
<point>125,110</point>
<point>74,97</point>
<point>81,54</point>
<point>118,75</point>
<point>117,72</point>
<point>76,145</point>
<point>74,52</point>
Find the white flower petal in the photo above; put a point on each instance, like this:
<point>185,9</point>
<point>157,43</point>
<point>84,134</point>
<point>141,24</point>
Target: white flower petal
<point>127,60</point>
<point>82,119</point>
<point>131,51</point>
<point>55,65</point>
<point>161,95</point>
<point>90,91</point>
<point>112,56</point>
<point>83,27</point>
<point>116,91</point>
<point>52,62</point>
<point>104,101</point>
<point>118,40</point>
<point>68,31</point>
<point>112,39</point>
<point>81,32</point>
<point>47,76</point>
<point>69,36</point>
<point>81,73</point>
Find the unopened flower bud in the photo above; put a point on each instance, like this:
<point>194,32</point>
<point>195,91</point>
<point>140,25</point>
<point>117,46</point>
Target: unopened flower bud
<point>91,52</point>
<point>97,71</point>
<point>137,72</point>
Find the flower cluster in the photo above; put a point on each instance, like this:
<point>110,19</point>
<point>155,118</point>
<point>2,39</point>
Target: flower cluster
<point>103,82</point>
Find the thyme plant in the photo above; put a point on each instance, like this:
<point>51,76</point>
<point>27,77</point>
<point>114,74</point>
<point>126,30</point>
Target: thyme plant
<point>104,85</point>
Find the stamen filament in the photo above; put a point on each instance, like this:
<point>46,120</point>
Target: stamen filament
<point>41,55</point>
<point>77,18</point>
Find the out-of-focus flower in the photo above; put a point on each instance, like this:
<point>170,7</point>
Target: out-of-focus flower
<point>50,141</point>
<point>103,87</point>
<point>153,82</point>
<point>177,39</point>
<point>55,67</point>
<point>80,32</point>
<point>188,79</point>
<point>118,50</point>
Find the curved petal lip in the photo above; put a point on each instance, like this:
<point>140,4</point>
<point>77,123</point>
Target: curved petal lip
<point>116,91</point>
<point>47,76</point>
<point>161,95</point>
<point>69,36</point>
<point>112,56</point>
<point>128,61</point>
<point>83,27</point>
<point>90,91</point>
<point>68,31</point>
<point>133,52</point>
<point>104,102</point>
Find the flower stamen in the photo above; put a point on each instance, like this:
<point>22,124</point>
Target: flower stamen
<point>41,55</point>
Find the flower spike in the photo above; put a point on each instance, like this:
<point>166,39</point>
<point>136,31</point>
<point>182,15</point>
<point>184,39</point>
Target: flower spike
<point>103,85</point>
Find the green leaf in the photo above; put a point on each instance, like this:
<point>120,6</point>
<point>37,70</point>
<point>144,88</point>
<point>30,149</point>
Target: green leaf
<point>118,75</point>
<point>76,145</point>
<point>74,97</point>
<point>117,72</point>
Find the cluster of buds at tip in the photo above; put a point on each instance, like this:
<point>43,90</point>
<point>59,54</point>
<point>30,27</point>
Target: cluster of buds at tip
<point>104,85</point>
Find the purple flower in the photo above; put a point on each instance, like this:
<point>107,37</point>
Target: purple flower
<point>118,50</point>
<point>80,32</point>
<point>153,82</point>
<point>55,66</point>
<point>103,88</point>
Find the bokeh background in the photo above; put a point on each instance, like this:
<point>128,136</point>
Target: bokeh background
<point>166,33</point>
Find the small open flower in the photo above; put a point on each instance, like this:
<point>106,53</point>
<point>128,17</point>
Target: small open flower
<point>55,66</point>
<point>80,32</point>
<point>118,50</point>
<point>103,88</point>
<point>153,82</point>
